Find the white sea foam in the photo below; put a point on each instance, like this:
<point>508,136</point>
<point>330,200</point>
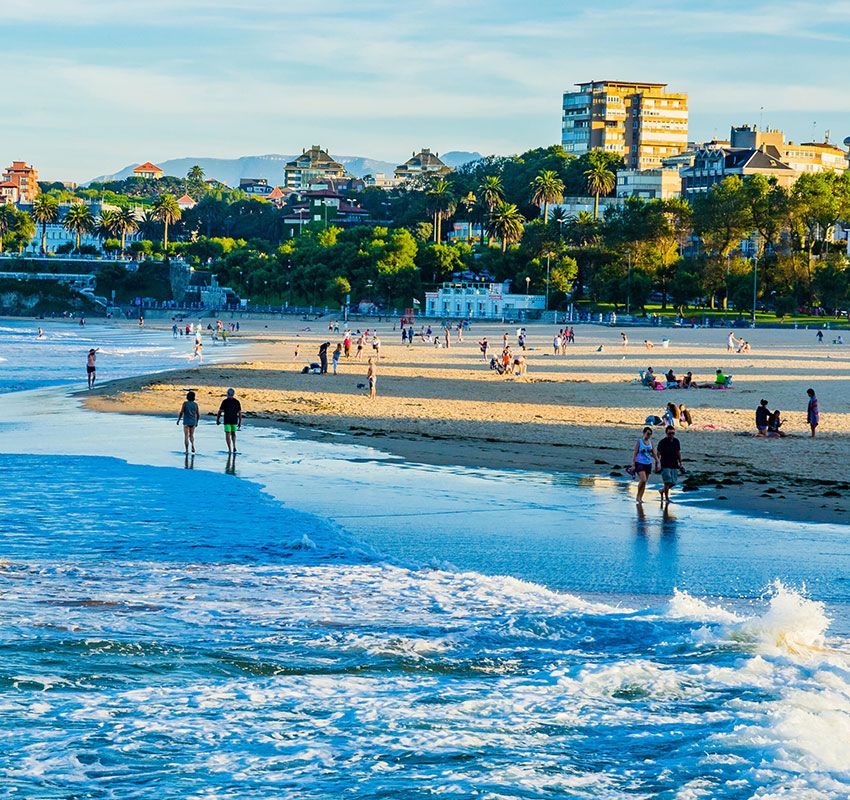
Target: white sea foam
<point>685,606</point>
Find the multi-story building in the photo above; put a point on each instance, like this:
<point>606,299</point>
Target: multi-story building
<point>148,171</point>
<point>641,122</point>
<point>9,194</point>
<point>661,183</point>
<point>713,165</point>
<point>803,157</point>
<point>420,167</point>
<point>24,178</point>
<point>380,181</point>
<point>313,166</point>
<point>324,206</point>
<point>479,300</point>
<point>256,187</point>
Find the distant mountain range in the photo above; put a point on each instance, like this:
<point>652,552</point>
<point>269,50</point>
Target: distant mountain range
<point>270,167</point>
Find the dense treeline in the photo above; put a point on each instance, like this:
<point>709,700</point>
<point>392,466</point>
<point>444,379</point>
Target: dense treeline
<point>680,254</point>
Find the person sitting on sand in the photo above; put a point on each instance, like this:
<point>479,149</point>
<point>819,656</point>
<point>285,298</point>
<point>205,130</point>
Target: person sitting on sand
<point>671,415</point>
<point>743,347</point>
<point>774,425</point>
<point>648,344</point>
<point>688,380</point>
<point>685,418</point>
<point>648,378</point>
<point>672,381</point>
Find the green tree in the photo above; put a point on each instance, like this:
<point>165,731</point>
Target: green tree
<point>195,186</point>
<point>125,224</point>
<point>547,188</point>
<point>506,223</point>
<point>599,178</point>
<point>7,222</point>
<point>166,210</point>
<point>78,220</point>
<point>441,203</point>
<point>107,224</point>
<point>491,192</point>
<point>341,288</point>
<point>45,211</point>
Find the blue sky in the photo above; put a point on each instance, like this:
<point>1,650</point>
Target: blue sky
<point>92,85</point>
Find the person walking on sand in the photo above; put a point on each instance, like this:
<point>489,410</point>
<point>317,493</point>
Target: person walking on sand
<point>670,457</point>
<point>812,411</point>
<point>819,336</point>
<point>359,348</point>
<point>91,366</point>
<point>644,457</point>
<point>484,346</point>
<point>198,351</point>
<point>624,338</point>
<point>231,408</point>
<point>336,356</point>
<point>376,346</point>
<point>372,378</point>
<point>191,415</point>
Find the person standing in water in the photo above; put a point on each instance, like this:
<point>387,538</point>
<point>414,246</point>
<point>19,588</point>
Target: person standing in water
<point>231,408</point>
<point>644,457</point>
<point>670,457</point>
<point>91,366</point>
<point>190,414</point>
<point>812,411</point>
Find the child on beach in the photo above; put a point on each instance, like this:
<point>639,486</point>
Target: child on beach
<point>336,356</point>
<point>812,411</point>
<point>190,413</point>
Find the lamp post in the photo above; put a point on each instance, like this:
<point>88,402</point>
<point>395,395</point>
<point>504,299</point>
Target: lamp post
<point>755,284</point>
<point>629,285</point>
<point>548,256</point>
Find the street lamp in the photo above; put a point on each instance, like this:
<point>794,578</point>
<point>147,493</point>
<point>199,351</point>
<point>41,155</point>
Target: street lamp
<point>629,285</point>
<point>755,284</point>
<point>548,256</point>
<point>527,282</point>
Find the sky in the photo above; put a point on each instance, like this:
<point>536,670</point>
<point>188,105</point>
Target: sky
<point>89,86</point>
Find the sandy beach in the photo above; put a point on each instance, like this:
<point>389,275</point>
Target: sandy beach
<point>579,413</point>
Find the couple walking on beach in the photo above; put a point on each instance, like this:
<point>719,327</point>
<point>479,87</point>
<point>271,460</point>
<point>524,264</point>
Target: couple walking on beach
<point>230,409</point>
<point>666,458</point>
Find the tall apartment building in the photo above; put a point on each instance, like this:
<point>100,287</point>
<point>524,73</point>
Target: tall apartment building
<point>24,178</point>
<point>313,166</point>
<point>641,122</point>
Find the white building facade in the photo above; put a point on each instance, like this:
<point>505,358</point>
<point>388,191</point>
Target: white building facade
<point>481,301</point>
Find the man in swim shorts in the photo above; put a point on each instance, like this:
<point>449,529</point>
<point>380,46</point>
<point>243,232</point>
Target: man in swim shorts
<point>231,408</point>
<point>670,457</point>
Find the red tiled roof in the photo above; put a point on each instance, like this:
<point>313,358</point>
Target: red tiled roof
<point>275,194</point>
<point>185,199</point>
<point>147,167</point>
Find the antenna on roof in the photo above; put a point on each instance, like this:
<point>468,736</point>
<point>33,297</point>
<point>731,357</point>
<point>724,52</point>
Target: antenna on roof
<point>761,119</point>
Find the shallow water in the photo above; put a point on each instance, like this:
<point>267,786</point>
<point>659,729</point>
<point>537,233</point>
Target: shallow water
<point>359,628</point>
<point>58,357</point>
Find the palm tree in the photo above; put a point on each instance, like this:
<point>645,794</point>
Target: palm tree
<point>125,222</point>
<point>45,209</point>
<point>166,210</point>
<point>7,221</point>
<point>469,203</point>
<point>547,188</point>
<point>78,220</point>
<point>441,204</point>
<point>506,222</point>
<point>491,191</point>
<point>600,180</point>
<point>107,225</point>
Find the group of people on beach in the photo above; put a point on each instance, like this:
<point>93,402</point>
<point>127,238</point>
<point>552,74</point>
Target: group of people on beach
<point>343,350</point>
<point>669,380</point>
<point>769,423</point>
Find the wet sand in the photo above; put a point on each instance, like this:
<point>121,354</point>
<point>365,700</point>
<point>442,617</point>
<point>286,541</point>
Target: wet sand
<point>576,413</point>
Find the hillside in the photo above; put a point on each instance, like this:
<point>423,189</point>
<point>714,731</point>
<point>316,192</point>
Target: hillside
<point>270,167</point>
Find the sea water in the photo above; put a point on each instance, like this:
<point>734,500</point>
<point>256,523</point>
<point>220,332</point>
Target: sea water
<point>186,633</point>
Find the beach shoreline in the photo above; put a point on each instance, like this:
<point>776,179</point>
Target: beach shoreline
<point>443,407</point>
